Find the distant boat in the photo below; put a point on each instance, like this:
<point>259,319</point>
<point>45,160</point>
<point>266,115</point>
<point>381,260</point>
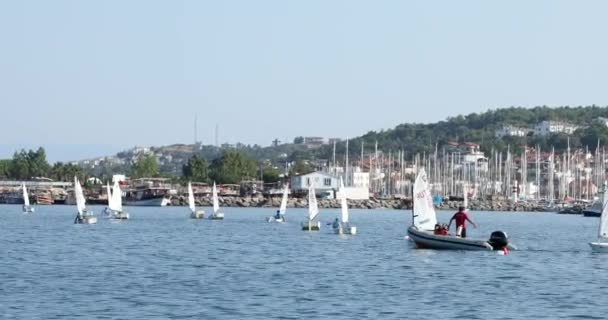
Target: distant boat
<point>602,234</point>
<point>597,207</point>
<point>343,226</point>
<point>148,192</point>
<point>27,208</point>
<point>107,212</point>
<point>115,204</point>
<point>84,216</point>
<point>280,216</point>
<point>424,223</point>
<point>194,214</point>
<point>312,223</point>
<point>216,215</point>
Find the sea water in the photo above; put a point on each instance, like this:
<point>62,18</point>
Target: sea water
<point>162,265</point>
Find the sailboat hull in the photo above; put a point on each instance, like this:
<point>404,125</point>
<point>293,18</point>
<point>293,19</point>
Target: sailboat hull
<point>121,215</point>
<point>599,246</point>
<point>345,228</point>
<point>309,225</point>
<point>217,216</point>
<point>429,240</point>
<point>273,219</point>
<point>198,214</point>
<point>28,209</point>
<point>86,220</point>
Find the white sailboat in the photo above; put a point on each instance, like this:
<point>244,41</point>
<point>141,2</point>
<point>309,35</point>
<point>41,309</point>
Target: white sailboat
<point>312,223</point>
<point>343,226</point>
<point>116,203</point>
<point>424,221</point>
<point>27,208</point>
<point>84,216</point>
<point>216,215</point>
<point>602,234</point>
<point>107,212</point>
<point>194,214</point>
<point>280,216</point>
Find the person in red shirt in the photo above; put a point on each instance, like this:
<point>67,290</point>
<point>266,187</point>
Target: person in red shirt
<point>461,217</point>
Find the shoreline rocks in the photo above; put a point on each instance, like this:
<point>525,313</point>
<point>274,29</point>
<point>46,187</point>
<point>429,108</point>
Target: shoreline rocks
<point>405,204</point>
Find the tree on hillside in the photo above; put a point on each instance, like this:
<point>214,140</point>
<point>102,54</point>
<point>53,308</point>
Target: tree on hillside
<point>5,167</point>
<point>232,167</point>
<point>271,175</point>
<point>145,166</point>
<point>300,167</point>
<point>197,169</point>
<point>66,172</point>
<point>38,165</point>
<point>591,135</point>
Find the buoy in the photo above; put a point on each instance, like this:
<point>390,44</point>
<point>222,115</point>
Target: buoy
<point>503,252</point>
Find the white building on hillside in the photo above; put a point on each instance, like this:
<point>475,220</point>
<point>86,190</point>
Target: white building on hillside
<point>549,127</point>
<point>510,131</point>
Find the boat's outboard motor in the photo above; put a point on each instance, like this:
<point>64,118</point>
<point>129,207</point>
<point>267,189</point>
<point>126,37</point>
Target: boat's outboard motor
<point>498,240</point>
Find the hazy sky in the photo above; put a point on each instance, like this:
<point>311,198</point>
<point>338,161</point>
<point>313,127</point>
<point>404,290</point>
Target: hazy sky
<point>86,78</point>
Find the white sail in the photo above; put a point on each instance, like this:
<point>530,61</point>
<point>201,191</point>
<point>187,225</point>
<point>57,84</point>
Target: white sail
<point>26,198</point>
<point>109,191</point>
<point>424,212</point>
<point>313,209</point>
<point>216,202</point>
<point>80,201</point>
<point>603,229</point>
<point>191,203</point>
<point>343,202</point>
<point>116,203</point>
<point>283,206</point>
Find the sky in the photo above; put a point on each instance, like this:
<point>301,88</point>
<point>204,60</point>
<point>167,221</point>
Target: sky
<point>90,78</point>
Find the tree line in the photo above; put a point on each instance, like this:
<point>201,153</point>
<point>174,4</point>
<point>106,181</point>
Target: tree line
<point>30,164</point>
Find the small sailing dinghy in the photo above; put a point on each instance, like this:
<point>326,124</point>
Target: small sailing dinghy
<point>216,215</point>
<point>280,216</point>
<point>107,212</point>
<point>422,231</point>
<point>312,223</point>
<point>27,208</point>
<point>602,234</point>
<point>115,204</point>
<point>194,214</point>
<point>343,226</point>
<point>84,216</point>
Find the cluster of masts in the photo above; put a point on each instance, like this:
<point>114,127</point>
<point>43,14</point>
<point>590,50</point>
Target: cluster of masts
<point>532,174</point>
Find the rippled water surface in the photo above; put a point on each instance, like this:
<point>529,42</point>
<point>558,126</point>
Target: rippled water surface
<point>162,265</point>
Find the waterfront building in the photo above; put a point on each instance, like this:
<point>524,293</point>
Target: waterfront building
<point>322,182</point>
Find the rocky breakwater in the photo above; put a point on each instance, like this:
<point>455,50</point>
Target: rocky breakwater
<point>493,205</point>
<point>268,202</point>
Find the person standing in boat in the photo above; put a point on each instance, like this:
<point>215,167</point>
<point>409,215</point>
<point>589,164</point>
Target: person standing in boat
<point>461,217</point>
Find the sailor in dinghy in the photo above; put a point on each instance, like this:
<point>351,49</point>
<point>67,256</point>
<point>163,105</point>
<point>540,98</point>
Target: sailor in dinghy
<point>342,225</point>
<point>194,213</point>
<point>280,215</point>
<point>84,216</point>
<point>424,221</point>
<point>312,223</point>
